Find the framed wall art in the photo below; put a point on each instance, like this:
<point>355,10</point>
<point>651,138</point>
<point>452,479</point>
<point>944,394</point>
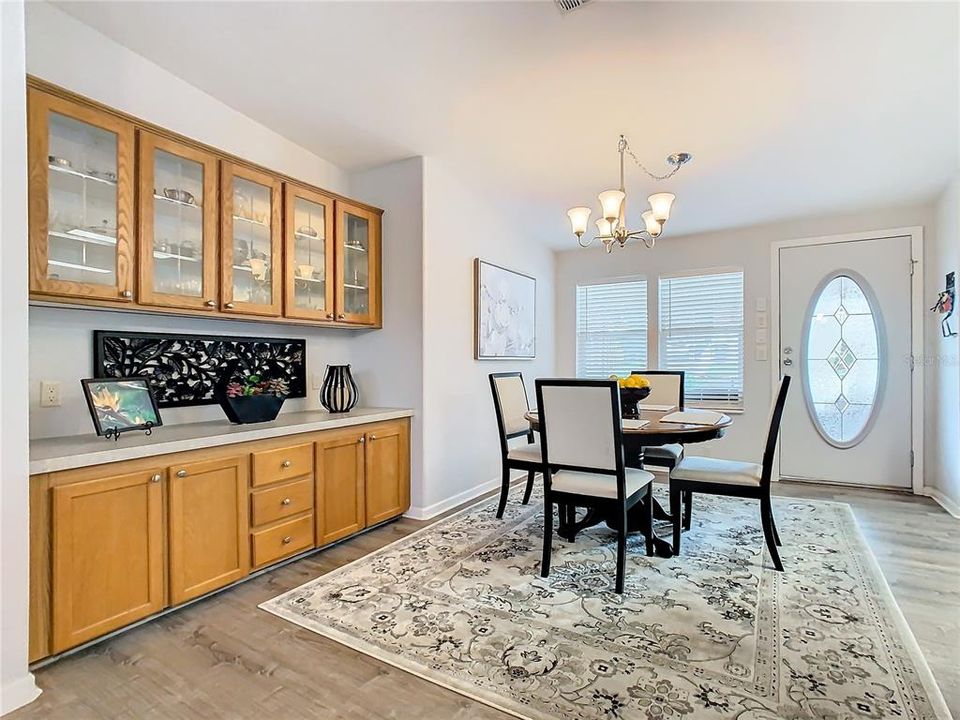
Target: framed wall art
<point>505,322</point>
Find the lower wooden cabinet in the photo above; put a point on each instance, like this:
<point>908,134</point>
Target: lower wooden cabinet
<point>208,526</point>
<point>387,472</point>
<point>107,553</point>
<point>115,543</point>
<point>340,492</point>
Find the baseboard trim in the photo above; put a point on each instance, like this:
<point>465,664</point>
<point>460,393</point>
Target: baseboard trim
<point>942,500</point>
<point>438,508</point>
<point>18,693</point>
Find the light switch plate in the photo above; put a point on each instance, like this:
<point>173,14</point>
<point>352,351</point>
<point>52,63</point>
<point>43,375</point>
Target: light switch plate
<point>761,304</point>
<point>761,353</point>
<point>315,381</point>
<point>761,320</point>
<point>761,336</point>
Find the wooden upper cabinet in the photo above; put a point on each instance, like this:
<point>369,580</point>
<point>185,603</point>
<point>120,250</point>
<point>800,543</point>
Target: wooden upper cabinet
<point>387,470</point>
<point>208,526</point>
<point>340,486</point>
<point>80,170</point>
<point>251,244</point>
<point>177,224</point>
<point>309,254</point>
<point>358,265</point>
<point>107,544</point>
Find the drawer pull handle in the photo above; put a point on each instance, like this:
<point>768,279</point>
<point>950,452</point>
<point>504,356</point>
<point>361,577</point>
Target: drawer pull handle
<point>155,478</point>
<point>285,501</point>
<point>286,464</point>
<point>181,473</point>
<point>287,539</point>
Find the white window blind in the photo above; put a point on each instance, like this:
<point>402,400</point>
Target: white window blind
<point>611,328</point>
<point>701,332</point>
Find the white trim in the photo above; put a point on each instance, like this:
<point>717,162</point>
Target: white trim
<point>437,508</point>
<point>18,693</point>
<point>719,270</point>
<point>612,280</point>
<point>943,500</point>
<point>915,233</point>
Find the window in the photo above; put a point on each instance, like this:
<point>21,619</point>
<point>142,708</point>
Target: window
<point>701,332</point>
<point>611,328</point>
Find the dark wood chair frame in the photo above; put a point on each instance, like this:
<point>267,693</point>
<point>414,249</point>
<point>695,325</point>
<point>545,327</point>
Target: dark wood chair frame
<point>508,464</point>
<point>669,463</point>
<point>611,507</point>
<point>759,492</point>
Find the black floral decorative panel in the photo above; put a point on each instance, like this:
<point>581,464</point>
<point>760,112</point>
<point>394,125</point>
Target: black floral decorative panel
<point>184,369</point>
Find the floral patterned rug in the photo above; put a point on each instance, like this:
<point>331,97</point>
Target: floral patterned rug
<point>714,633</point>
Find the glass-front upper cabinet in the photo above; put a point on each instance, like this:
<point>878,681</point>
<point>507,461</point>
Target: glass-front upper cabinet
<point>178,224</point>
<point>81,200</point>
<point>250,265</point>
<point>358,265</point>
<point>308,228</point>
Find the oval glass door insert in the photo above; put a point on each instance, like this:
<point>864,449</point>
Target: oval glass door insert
<point>842,361</point>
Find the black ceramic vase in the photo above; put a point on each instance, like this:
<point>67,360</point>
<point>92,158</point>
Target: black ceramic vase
<point>339,392</point>
<point>630,399</point>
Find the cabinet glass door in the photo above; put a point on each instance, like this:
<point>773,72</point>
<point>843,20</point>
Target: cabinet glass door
<point>178,224</point>
<point>308,224</point>
<point>81,200</point>
<point>358,253</point>
<point>250,264</point>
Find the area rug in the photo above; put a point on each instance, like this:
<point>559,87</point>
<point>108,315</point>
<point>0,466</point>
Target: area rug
<point>712,633</point>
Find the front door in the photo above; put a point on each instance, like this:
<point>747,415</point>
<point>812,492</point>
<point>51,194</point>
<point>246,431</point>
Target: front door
<point>845,337</point>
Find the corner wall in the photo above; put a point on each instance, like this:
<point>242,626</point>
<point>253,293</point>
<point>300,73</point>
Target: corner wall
<point>942,358</point>
<point>16,683</point>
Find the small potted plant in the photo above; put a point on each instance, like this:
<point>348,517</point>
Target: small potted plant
<point>252,399</point>
<point>633,389</point>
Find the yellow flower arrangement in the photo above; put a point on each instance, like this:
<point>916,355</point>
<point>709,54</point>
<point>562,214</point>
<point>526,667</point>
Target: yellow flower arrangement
<point>631,381</point>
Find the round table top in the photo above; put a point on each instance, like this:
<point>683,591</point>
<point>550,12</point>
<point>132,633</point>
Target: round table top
<point>659,432</point>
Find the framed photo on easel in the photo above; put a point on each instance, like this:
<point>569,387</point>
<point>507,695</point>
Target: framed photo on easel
<point>118,405</point>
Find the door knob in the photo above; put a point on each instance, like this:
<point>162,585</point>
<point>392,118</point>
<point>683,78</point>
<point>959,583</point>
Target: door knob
<point>340,316</point>
<point>373,437</point>
<point>127,294</point>
<point>210,303</point>
<point>330,316</point>
<point>285,501</point>
<point>181,473</point>
<point>287,539</point>
<point>787,361</point>
<point>787,350</point>
<point>362,439</point>
<point>286,464</point>
<point>229,306</point>
<point>155,478</point>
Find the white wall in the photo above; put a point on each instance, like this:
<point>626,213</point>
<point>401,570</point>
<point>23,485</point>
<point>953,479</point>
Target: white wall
<point>391,359</point>
<point>942,356</point>
<point>748,248</point>
<point>16,683</point>
<point>463,221</point>
<point>66,52</point>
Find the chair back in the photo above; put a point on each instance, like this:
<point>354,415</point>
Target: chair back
<point>580,425</point>
<point>666,387</point>
<point>510,404</point>
<point>776,415</point>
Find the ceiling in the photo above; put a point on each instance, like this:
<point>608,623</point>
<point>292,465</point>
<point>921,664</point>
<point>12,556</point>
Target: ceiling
<point>790,109</point>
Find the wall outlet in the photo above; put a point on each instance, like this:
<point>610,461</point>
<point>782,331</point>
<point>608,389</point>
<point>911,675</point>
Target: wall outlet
<point>316,380</point>
<point>49,393</point>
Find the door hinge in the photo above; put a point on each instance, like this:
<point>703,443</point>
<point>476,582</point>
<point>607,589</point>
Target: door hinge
<point>912,363</point>
<point>913,266</point>
<point>911,458</point>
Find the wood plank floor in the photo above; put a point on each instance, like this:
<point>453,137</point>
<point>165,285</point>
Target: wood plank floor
<point>224,658</point>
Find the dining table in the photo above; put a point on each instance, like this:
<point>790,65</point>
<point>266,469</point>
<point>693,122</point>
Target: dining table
<point>650,431</point>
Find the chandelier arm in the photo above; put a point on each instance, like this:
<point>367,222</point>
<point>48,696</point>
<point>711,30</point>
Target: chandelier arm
<point>582,244</point>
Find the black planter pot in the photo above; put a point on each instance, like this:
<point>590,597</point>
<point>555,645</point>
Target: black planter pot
<point>339,392</point>
<point>629,398</point>
<point>251,408</point>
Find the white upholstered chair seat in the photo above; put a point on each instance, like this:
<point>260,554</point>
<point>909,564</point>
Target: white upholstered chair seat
<point>528,452</point>
<point>673,451</point>
<point>598,484</point>
<point>713,470</point>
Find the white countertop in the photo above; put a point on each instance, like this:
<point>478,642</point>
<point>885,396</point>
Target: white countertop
<point>66,453</point>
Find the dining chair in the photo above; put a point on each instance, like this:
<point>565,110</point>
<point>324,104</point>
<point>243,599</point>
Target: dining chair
<point>666,390</point>
<point>511,405</point>
<point>582,440</point>
<point>733,478</point>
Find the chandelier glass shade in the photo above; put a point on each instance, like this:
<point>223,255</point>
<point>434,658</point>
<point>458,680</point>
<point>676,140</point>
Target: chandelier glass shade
<point>611,226</point>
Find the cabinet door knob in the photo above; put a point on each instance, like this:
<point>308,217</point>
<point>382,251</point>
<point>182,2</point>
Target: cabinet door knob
<point>155,478</point>
<point>286,464</point>
<point>127,294</point>
<point>330,316</point>
<point>373,437</point>
<point>229,306</point>
<point>341,316</point>
<point>287,539</point>
<point>362,439</point>
<point>181,473</point>
<point>210,303</point>
<point>285,501</point>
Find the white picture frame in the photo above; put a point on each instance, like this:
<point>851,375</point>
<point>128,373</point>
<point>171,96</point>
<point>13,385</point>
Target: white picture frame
<point>505,313</point>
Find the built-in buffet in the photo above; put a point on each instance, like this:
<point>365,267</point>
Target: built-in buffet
<point>112,543</point>
<point>124,214</point>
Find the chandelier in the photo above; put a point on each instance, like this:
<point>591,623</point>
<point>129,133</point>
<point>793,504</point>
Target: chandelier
<point>612,227</point>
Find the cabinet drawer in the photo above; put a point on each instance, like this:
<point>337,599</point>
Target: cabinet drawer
<point>271,466</point>
<point>282,501</point>
<point>285,539</point>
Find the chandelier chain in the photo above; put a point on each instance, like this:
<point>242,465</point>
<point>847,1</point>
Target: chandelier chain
<point>644,167</point>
